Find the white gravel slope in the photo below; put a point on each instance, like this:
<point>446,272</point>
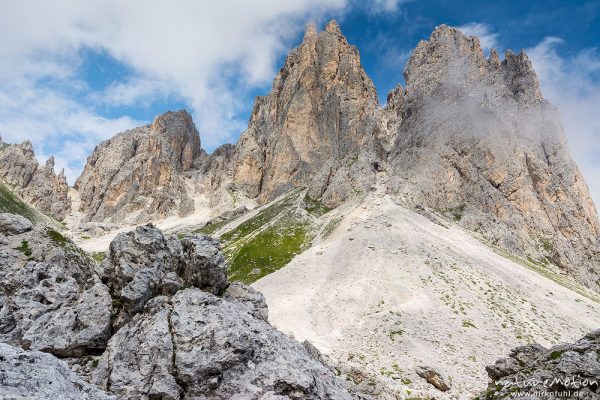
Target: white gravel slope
<point>390,290</point>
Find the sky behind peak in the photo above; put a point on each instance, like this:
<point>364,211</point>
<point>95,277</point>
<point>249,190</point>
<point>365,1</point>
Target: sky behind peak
<point>75,73</point>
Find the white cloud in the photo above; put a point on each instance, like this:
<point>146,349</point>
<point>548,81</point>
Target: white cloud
<point>381,6</point>
<point>573,85</point>
<point>487,38</point>
<point>209,54</point>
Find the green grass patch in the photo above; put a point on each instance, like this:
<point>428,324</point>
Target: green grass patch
<point>98,256</point>
<point>11,203</point>
<point>263,217</point>
<point>315,207</point>
<point>268,250</point>
<point>24,248</point>
<point>209,229</point>
<point>468,324</point>
<point>555,355</point>
<point>57,237</point>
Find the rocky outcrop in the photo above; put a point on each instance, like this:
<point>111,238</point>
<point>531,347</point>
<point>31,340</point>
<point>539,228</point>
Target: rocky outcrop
<point>50,298</point>
<point>534,372</point>
<point>476,138</point>
<point>162,316</point>
<point>143,264</point>
<point>181,334</point>
<point>137,176</point>
<point>195,344</point>
<point>320,127</point>
<point>38,185</point>
<point>37,375</point>
<point>13,224</point>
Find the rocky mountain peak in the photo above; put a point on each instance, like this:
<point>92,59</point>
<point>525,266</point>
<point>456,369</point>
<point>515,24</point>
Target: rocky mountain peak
<point>475,133</point>
<point>322,109</point>
<point>137,174</point>
<point>451,63</point>
<point>333,27</point>
<point>183,139</point>
<point>40,186</point>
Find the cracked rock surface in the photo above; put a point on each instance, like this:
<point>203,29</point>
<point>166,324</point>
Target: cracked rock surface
<point>572,369</point>
<point>37,375</point>
<point>50,297</point>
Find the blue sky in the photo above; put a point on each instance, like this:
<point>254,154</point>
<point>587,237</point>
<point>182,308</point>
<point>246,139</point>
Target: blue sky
<point>75,73</point>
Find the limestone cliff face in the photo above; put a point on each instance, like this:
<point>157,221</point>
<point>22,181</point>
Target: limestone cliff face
<point>319,127</point>
<point>475,136</point>
<point>38,185</point>
<point>138,175</point>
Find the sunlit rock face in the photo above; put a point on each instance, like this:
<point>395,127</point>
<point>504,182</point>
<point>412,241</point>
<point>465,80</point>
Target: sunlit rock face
<point>38,185</point>
<point>474,135</point>
<point>140,172</point>
<point>320,127</point>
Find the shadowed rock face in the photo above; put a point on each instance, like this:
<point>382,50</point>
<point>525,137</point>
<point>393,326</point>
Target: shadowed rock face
<point>36,184</point>
<point>37,375</point>
<point>139,172</point>
<point>572,368</point>
<point>309,131</point>
<point>476,135</point>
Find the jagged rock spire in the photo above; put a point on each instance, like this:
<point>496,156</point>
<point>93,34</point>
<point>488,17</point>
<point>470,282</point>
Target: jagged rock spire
<point>322,109</point>
<point>476,134</point>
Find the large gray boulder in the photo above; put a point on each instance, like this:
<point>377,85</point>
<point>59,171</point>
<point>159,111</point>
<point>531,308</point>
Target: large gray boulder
<point>530,372</point>
<point>197,345</point>
<point>14,224</point>
<point>36,375</point>
<point>143,264</point>
<point>50,297</point>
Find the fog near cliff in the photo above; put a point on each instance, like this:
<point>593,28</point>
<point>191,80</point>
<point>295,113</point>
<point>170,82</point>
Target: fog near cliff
<point>573,85</point>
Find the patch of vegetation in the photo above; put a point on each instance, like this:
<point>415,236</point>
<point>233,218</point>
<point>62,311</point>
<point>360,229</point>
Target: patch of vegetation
<point>267,241</point>
<point>209,229</point>
<point>555,355</point>
<point>398,332</point>
<point>268,250</point>
<point>24,248</point>
<point>331,226</point>
<point>57,237</point>
<point>11,203</point>
<point>98,256</point>
<point>260,219</point>
<point>546,244</point>
<point>468,324</point>
<point>85,238</point>
<point>315,207</point>
<point>456,212</point>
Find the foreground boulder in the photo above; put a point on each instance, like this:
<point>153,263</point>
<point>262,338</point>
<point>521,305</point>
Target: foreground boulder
<point>14,224</point>
<point>37,375</point>
<point>563,371</point>
<point>143,264</point>
<point>178,337</point>
<point>196,344</point>
<point>50,297</point>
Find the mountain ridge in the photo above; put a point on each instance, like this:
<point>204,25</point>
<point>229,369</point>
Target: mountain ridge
<point>504,163</point>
